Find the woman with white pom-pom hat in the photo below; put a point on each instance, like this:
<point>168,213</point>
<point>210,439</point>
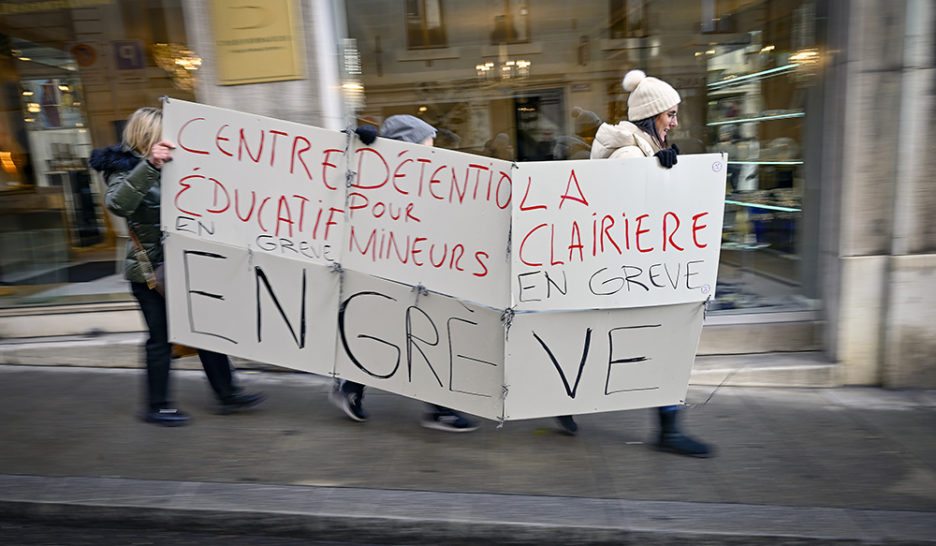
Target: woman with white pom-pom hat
<point>651,109</point>
<point>651,113</point>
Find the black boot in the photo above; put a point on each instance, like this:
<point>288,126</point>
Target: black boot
<point>239,401</point>
<point>673,441</point>
<point>567,425</point>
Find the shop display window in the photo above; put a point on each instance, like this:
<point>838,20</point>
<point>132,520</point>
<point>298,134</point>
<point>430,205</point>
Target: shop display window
<point>511,79</point>
<point>68,84</point>
<point>735,63</point>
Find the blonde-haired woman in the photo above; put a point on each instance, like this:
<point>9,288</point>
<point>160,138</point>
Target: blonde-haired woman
<point>132,171</point>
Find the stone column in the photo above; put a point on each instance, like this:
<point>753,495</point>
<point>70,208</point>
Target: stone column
<point>314,100</point>
<point>909,340</point>
<point>877,253</point>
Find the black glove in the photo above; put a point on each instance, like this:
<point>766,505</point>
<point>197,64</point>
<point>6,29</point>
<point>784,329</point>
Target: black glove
<point>367,133</point>
<point>667,156</point>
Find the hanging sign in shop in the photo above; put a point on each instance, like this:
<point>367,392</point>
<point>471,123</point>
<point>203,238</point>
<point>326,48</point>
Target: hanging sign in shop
<point>507,291</point>
<point>257,41</point>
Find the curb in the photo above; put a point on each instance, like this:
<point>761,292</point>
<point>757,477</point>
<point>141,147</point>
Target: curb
<point>421,517</point>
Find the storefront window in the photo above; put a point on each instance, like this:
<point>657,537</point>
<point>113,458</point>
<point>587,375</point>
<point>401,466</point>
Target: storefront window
<point>533,81</point>
<point>513,79</point>
<point>70,79</point>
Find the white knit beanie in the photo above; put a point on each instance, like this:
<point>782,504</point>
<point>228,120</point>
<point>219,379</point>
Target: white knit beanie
<point>648,96</point>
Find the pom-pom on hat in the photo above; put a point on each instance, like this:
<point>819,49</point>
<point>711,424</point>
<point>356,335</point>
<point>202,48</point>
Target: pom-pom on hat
<point>407,128</point>
<point>648,96</point>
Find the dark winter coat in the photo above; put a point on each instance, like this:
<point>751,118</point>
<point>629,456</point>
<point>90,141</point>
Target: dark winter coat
<point>132,192</point>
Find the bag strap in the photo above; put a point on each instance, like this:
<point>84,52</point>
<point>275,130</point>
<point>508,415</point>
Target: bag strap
<point>148,273</point>
<point>135,239</point>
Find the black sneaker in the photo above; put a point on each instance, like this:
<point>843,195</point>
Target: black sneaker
<point>351,403</point>
<point>167,417</point>
<point>449,421</point>
<point>680,444</point>
<point>567,424</point>
<point>239,402</point>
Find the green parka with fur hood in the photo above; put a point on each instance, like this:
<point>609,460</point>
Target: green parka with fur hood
<point>133,192</point>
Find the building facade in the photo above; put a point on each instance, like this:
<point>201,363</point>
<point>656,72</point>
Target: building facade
<point>819,104</point>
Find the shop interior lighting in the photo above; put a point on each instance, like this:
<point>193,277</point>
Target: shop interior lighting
<point>732,80</point>
<point>27,93</point>
<point>179,61</point>
<point>6,161</point>
<point>805,56</point>
<point>506,70</point>
<point>760,118</point>
<point>484,70</point>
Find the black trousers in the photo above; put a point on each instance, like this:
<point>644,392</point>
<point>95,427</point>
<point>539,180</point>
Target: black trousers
<point>159,353</point>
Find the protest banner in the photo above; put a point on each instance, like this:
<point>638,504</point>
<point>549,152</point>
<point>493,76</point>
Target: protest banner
<point>572,362</point>
<point>259,306</point>
<point>393,265</point>
<point>260,184</point>
<point>612,234</point>
<point>613,261</point>
<point>430,217</point>
<point>421,344</point>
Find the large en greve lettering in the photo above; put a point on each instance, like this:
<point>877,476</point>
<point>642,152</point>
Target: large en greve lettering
<point>506,290</point>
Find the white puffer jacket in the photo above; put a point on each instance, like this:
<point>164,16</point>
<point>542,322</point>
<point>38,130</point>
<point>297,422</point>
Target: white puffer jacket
<point>622,140</point>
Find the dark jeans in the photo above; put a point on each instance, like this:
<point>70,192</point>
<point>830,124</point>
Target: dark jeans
<point>351,386</point>
<point>159,353</point>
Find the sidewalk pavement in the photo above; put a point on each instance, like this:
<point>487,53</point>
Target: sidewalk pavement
<point>793,466</point>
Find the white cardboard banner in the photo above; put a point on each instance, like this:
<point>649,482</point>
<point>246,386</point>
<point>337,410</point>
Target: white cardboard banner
<point>252,305</point>
<point>424,345</point>
<point>616,233</point>
<point>396,268</point>
<point>566,363</point>
<point>253,182</point>
<point>431,217</point>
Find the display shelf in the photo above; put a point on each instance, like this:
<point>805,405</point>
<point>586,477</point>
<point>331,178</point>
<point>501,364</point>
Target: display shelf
<point>768,117</point>
<point>762,206</point>
<point>756,117</point>
<point>753,77</point>
<point>765,162</point>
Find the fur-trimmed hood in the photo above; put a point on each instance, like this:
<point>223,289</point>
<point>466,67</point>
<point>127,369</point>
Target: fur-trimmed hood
<point>133,192</point>
<point>113,159</point>
<point>622,140</point>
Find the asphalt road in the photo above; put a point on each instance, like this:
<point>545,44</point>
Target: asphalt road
<point>34,534</point>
